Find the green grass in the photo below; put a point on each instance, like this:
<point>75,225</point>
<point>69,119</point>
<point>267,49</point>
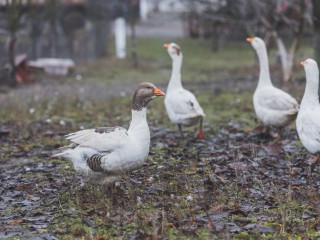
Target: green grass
<point>235,59</point>
<point>199,64</point>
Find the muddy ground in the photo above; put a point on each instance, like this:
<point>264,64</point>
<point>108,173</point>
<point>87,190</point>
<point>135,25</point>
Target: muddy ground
<point>236,183</point>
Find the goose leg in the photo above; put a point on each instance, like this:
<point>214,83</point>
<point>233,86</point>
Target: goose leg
<point>277,133</point>
<point>264,131</point>
<point>180,130</point>
<point>200,134</point>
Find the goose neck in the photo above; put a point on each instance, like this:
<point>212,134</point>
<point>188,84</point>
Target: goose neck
<point>175,79</point>
<point>311,95</point>
<point>139,130</point>
<point>264,76</point>
<point>138,117</point>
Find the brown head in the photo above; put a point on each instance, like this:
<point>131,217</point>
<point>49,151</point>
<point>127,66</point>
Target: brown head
<point>144,94</point>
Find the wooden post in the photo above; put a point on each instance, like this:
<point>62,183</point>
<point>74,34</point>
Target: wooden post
<point>120,37</point>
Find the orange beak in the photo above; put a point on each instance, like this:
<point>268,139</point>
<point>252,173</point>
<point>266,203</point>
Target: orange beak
<point>158,92</point>
<point>166,45</point>
<point>250,40</point>
<point>302,63</point>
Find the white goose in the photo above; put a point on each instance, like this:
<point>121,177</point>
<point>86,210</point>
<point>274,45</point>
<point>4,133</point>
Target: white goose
<point>182,106</point>
<point>112,151</point>
<point>273,106</point>
<point>308,119</point>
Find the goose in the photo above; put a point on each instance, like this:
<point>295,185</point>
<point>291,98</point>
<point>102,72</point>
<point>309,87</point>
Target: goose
<point>181,105</point>
<point>308,119</point>
<point>113,151</point>
<point>272,106</point>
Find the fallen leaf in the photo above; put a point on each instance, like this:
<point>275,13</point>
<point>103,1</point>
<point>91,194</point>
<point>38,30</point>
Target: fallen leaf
<point>15,222</point>
<point>23,187</point>
<point>170,225</point>
<point>238,166</point>
<point>79,232</point>
<point>32,198</point>
<point>211,226</point>
<point>217,208</point>
<point>273,149</point>
<point>295,171</point>
<point>312,160</point>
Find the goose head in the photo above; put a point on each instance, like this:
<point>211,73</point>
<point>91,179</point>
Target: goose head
<point>310,67</point>
<point>257,43</point>
<point>144,94</point>
<point>174,50</point>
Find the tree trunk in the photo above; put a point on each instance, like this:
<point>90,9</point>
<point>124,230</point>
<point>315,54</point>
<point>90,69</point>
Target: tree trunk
<point>11,77</point>
<point>286,59</point>
<point>53,37</point>
<point>215,37</point>
<point>134,54</point>
<point>52,11</point>
<point>316,29</point>
<point>14,15</point>
<point>100,33</point>
<point>316,39</point>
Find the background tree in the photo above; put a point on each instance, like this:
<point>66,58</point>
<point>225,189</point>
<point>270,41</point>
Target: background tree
<point>216,19</point>
<point>273,20</point>
<point>133,15</point>
<point>279,19</point>
<point>37,20</point>
<point>71,19</point>
<point>100,13</point>
<point>316,28</point>
<point>51,12</point>
<point>15,10</point>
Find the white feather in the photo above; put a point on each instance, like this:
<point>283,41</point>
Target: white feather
<point>112,151</point>
<point>273,106</point>
<point>181,105</point>
<point>308,119</point>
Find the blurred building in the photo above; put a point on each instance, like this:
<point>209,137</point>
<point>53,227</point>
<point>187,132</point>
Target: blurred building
<point>77,29</point>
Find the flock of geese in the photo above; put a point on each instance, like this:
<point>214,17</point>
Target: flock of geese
<point>113,151</point>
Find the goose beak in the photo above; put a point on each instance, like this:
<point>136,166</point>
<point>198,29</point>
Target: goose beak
<point>302,63</point>
<point>250,40</point>
<point>158,92</point>
<point>166,45</point>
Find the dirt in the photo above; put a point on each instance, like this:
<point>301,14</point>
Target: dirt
<point>236,182</point>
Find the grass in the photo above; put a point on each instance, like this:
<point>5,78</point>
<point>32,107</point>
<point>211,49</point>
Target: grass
<point>199,64</point>
<point>165,200</point>
<point>235,59</point>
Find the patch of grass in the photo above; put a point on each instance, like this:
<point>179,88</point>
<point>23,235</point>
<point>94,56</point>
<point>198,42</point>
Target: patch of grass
<point>234,60</point>
<point>199,64</point>
<point>227,106</point>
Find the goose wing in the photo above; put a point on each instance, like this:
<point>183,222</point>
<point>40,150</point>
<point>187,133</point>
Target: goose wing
<point>183,102</point>
<point>309,124</point>
<point>278,100</point>
<point>102,139</point>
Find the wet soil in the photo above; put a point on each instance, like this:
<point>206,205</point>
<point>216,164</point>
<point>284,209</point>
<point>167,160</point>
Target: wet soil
<point>234,181</point>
